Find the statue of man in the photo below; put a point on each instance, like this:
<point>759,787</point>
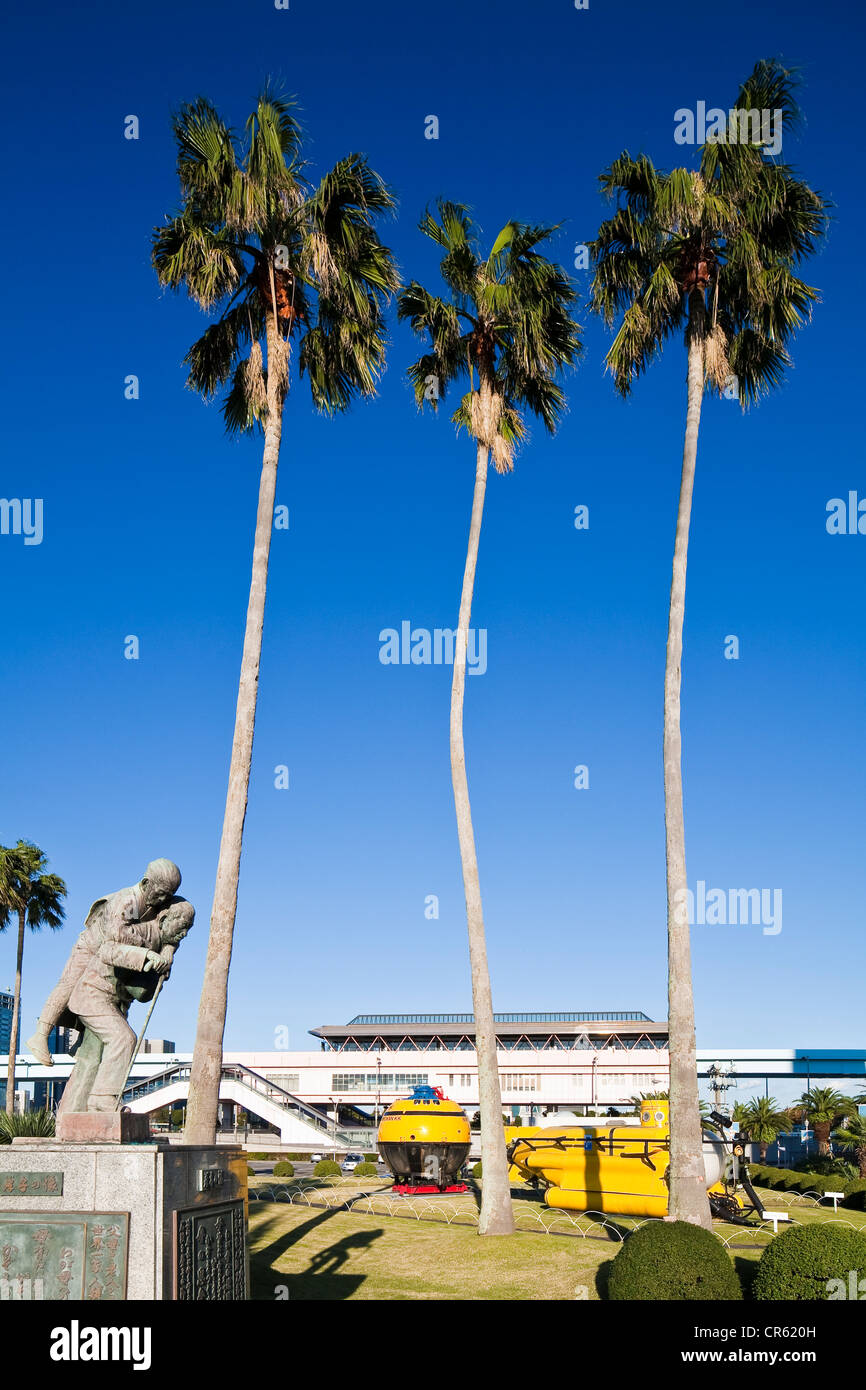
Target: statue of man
<point>104,925</point>
<point>124,969</point>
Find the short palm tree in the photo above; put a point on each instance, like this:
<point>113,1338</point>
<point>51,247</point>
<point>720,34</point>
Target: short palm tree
<point>36,899</point>
<point>764,1120</point>
<point>852,1136</point>
<point>711,252</point>
<point>824,1108</point>
<point>504,328</point>
<point>276,259</point>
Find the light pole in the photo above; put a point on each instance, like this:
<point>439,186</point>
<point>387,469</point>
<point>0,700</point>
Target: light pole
<point>378,1103</point>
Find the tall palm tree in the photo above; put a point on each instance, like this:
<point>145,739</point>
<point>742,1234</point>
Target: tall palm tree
<point>764,1120</point>
<point>36,899</point>
<point>712,251</point>
<point>505,328</point>
<point>277,258</point>
<point>824,1107</point>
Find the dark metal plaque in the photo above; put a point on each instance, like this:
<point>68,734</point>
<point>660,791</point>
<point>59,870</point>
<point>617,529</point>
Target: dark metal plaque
<point>210,1253</point>
<point>63,1255</point>
<point>31,1184</point>
<point>211,1178</point>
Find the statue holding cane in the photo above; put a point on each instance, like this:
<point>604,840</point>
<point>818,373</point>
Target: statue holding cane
<point>124,954</point>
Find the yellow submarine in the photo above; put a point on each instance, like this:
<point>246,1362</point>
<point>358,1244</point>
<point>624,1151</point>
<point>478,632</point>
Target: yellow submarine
<point>622,1168</point>
<point>424,1140</point>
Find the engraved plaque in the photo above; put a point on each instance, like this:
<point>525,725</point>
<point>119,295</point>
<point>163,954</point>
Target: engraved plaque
<point>31,1184</point>
<point>211,1178</point>
<point>63,1255</point>
<point>210,1253</point>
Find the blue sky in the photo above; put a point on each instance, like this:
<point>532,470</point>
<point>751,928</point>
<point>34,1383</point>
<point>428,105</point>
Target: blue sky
<point>149,513</point>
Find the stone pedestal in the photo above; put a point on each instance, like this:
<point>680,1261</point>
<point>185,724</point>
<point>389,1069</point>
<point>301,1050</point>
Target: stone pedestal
<point>115,1220</point>
<point>102,1127</point>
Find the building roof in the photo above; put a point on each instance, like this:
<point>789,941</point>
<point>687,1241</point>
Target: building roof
<point>609,1016</point>
<point>566,1023</point>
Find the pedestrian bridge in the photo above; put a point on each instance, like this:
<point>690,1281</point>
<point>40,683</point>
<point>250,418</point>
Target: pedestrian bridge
<point>297,1122</point>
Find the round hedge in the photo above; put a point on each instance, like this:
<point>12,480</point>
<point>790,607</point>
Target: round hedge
<point>476,1170</point>
<point>667,1260</point>
<point>284,1169</point>
<point>797,1264</point>
<point>364,1170</point>
<point>327,1168</point>
<point>855,1194</point>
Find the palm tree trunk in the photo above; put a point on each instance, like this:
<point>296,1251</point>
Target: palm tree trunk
<point>16,1015</point>
<point>496,1217</point>
<point>201,1119</point>
<point>688,1189</point>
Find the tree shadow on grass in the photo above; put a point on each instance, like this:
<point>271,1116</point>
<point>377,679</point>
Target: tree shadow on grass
<point>746,1270</point>
<point>602,1275</point>
<point>322,1279</point>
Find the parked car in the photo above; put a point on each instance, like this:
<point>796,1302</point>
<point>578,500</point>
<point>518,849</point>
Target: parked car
<point>316,1158</point>
<point>350,1162</point>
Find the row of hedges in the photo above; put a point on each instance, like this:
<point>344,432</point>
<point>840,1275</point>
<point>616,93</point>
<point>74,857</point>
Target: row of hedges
<point>327,1168</point>
<point>787,1180</point>
<point>674,1260</point>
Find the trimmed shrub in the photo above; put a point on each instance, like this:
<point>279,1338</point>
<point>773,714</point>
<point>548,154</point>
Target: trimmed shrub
<point>326,1168</point>
<point>673,1260</point>
<point>855,1194</point>
<point>798,1264</point>
<point>476,1170</point>
<point>776,1176</point>
<point>814,1182</point>
<point>284,1169</point>
<point>364,1170</point>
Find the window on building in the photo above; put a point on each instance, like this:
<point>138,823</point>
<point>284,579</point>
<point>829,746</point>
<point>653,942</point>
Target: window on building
<point>375,1081</point>
<point>520,1081</point>
<point>289,1080</point>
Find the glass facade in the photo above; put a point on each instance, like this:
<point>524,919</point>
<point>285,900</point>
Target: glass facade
<point>6,1002</point>
<point>539,1042</point>
<point>372,1081</point>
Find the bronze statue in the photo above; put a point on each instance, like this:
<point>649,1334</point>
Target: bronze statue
<point>127,946</point>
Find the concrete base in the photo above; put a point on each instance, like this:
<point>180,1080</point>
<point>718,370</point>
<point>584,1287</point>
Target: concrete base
<point>181,1199</point>
<point>102,1127</point>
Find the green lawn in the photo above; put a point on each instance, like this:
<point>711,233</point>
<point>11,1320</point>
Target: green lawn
<point>327,1252</point>
<point>334,1254</point>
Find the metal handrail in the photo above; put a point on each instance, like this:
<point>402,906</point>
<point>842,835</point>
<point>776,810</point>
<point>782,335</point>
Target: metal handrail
<point>237,1071</point>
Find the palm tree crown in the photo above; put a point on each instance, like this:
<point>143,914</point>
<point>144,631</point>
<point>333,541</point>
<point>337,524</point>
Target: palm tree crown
<point>506,329</point>
<point>852,1136</point>
<point>763,1120</point>
<point>25,889</point>
<point>253,238</point>
<point>733,229</point>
